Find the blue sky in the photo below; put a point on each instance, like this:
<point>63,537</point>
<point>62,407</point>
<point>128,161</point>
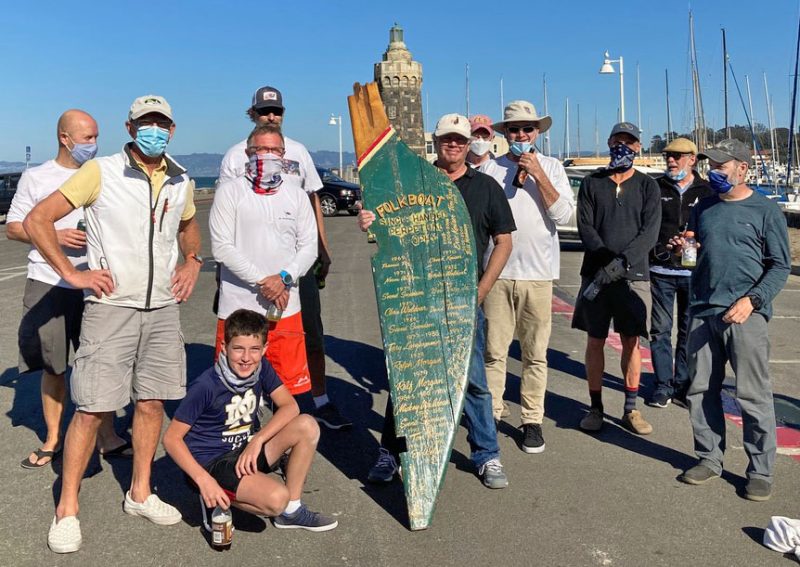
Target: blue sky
<point>207,58</point>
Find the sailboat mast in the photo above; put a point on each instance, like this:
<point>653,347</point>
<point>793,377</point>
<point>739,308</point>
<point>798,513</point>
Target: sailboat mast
<point>794,105</point>
<point>725,81</point>
<point>771,131</point>
<point>566,130</point>
<point>546,134</point>
<point>669,114</point>
<point>502,104</point>
<point>579,130</point>
<point>638,106</point>
<point>466,87</point>
<point>699,118</point>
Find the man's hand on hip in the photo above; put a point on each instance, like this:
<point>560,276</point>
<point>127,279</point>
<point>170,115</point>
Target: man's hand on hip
<point>184,279</point>
<point>99,281</point>
<point>739,312</point>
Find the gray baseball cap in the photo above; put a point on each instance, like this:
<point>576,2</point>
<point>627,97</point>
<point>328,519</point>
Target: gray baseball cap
<point>727,150</point>
<point>626,128</point>
<point>267,97</point>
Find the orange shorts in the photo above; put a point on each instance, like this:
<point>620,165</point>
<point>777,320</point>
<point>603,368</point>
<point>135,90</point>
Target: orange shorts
<point>285,350</point>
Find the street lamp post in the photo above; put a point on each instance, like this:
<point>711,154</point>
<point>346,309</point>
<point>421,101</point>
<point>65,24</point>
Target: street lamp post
<point>333,122</point>
<point>608,69</point>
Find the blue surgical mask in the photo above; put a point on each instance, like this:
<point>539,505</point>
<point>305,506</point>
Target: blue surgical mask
<point>152,140</point>
<point>82,153</point>
<point>519,148</point>
<point>621,157</point>
<point>719,181</point>
<point>679,176</point>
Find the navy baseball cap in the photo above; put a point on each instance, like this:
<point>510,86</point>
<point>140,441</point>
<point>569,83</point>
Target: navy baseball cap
<point>267,97</point>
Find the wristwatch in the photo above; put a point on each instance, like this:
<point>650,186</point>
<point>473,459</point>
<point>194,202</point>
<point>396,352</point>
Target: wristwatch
<point>286,278</point>
<point>196,258</point>
<point>755,300</point>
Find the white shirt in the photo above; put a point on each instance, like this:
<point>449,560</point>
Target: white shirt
<point>36,184</point>
<point>235,160</point>
<point>535,254</point>
<point>254,236</point>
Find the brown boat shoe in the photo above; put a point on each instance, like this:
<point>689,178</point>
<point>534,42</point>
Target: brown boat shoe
<point>634,422</point>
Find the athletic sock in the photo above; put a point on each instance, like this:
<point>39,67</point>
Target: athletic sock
<point>292,507</point>
<point>597,399</point>
<point>320,401</point>
<point>630,399</point>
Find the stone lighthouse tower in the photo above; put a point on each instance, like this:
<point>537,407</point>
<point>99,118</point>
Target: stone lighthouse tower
<point>399,80</point>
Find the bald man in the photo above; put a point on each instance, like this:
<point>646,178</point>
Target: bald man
<point>52,309</point>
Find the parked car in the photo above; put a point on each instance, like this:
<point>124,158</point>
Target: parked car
<point>570,230</point>
<point>8,186</point>
<point>337,194</point>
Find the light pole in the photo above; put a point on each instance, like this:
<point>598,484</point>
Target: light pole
<point>608,69</point>
<point>333,122</point>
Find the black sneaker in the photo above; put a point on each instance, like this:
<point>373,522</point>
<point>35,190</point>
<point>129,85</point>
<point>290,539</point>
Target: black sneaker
<point>532,439</point>
<point>679,399</point>
<point>660,400</point>
<point>330,417</point>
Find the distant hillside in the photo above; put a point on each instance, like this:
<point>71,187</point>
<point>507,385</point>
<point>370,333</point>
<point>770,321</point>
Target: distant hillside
<point>207,165</point>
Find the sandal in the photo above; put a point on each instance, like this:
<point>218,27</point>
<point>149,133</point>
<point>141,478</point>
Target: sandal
<point>26,463</point>
<point>124,450</point>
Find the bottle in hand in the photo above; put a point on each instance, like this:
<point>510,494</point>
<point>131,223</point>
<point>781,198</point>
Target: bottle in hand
<point>689,253</point>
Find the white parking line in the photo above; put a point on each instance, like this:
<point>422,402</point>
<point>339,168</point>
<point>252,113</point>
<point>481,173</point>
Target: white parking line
<point>23,267</point>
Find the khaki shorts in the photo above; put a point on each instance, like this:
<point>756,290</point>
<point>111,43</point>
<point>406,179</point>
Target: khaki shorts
<point>50,324</point>
<point>128,354</point>
<point>627,303</point>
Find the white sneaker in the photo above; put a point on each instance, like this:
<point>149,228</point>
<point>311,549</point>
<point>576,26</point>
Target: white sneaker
<point>65,535</point>
<point>154,509</point>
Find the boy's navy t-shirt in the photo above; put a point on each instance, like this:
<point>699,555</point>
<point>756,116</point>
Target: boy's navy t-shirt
<point>221,420</point>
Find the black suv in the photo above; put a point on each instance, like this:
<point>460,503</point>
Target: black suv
<point>337,194</point>
<point>8,186</point>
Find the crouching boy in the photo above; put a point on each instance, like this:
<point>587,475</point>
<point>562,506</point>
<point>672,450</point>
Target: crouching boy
<point>211,436</point>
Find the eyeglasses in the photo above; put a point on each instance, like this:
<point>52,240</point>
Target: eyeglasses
<point>674,155</point>
<point>457,140</point>
<point>266,150</point>
<point>269,110</point>
<point>165,123</point>
<point>516,129</point>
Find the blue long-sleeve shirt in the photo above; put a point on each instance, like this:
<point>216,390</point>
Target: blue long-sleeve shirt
<point>744,250</point>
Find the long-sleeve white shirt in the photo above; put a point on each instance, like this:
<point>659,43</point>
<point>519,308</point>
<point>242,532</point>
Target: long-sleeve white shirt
<point>254,236</point>
<point>535,254</point>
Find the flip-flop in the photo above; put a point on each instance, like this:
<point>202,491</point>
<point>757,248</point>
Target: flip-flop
<point>40,454</point>
<point>124,450</point>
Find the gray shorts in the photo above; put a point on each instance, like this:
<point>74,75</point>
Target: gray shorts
<point>128,354</point>
<point>311,313</point>
<point>51,322</point>
<point>627,303</point>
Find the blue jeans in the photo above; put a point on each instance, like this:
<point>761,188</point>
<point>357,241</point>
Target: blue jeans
<point>670,377</point>
<point>481,429</point>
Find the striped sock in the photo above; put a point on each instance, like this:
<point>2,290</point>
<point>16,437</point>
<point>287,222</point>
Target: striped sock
<point>630,399</point>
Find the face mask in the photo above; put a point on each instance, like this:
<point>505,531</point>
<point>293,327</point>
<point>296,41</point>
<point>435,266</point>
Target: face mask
<point>82,153</point>
<point>621,157</point>
<point>719,181</point>
<point>480,147</point>
<point>152,140</point>
<point>264,172</point>
<point>519,148</point>
<point>677,176</point>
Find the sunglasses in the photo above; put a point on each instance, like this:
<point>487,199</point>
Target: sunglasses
<point>674,155</point>
<point>267,111</point>
<point>517,129</point>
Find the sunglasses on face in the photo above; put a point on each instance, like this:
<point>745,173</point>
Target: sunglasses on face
<point>517,129</point>
<point>268,111</point>
<point>674,155</point>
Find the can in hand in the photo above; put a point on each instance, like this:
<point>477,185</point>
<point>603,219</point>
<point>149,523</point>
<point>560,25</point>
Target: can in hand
<point>81,225</point>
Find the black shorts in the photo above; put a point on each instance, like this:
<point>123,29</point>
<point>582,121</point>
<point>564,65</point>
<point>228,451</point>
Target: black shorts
<point>311,312</point>
<point>627,303</point>
<point>223,468</point>
<point>50,324</point>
